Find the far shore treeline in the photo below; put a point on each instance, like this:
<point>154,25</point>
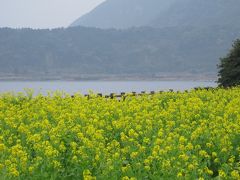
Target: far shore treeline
<point>145,50</point>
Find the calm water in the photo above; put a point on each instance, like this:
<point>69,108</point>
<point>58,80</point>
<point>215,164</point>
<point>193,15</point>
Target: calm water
<point>104,87</point>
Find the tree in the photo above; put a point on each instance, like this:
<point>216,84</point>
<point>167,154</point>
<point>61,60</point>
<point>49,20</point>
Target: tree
<point>229,68</point>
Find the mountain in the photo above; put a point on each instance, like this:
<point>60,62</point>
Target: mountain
<point>123,13</point>
<point>133,37</point>
<point>199,13</point>
<point>89,52</point>
<point>162,13</point>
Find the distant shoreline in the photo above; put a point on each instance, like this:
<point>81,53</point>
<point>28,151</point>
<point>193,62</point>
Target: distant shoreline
<point>104,87</point>
<point>188,77</point>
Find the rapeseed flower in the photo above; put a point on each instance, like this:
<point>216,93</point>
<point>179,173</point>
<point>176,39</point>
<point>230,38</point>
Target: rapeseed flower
<point>185,135</point>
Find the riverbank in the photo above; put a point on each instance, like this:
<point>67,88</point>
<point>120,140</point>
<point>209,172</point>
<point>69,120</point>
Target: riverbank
<point>110,77</point>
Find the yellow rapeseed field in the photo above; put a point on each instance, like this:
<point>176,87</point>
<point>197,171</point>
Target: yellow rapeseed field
<point>170,135</point>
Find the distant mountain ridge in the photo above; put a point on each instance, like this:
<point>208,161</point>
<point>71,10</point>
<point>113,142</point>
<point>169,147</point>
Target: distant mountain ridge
<point>123,13</point>
<point>86,52</point>
<point>143,37</point>
<point>162,13</point>
<point>200,13</point>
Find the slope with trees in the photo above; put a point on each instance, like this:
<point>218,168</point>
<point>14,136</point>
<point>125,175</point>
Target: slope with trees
<point>161,13</point>
<point>145,51</point>
<point>123,13</point>
<point>200,13</point>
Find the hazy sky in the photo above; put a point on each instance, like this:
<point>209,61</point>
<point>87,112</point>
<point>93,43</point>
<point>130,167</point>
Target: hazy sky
<point>43,13</point>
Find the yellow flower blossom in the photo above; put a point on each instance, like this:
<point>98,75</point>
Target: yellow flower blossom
<point>168,135</point>
<point>222,173</point>
<point>14,172</point>
<point>235,174</point>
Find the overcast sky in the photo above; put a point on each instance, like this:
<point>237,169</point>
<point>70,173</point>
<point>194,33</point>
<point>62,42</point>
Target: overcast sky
<point>43,13</point>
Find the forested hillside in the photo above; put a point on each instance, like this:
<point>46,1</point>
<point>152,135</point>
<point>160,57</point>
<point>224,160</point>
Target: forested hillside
<point>123,13</point>
<point>89,51</point>
<point>145,38</point>
<point>200,13</point>
<point>161,13</point>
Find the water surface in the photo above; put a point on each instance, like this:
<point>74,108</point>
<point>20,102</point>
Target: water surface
<point>104,87</point>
